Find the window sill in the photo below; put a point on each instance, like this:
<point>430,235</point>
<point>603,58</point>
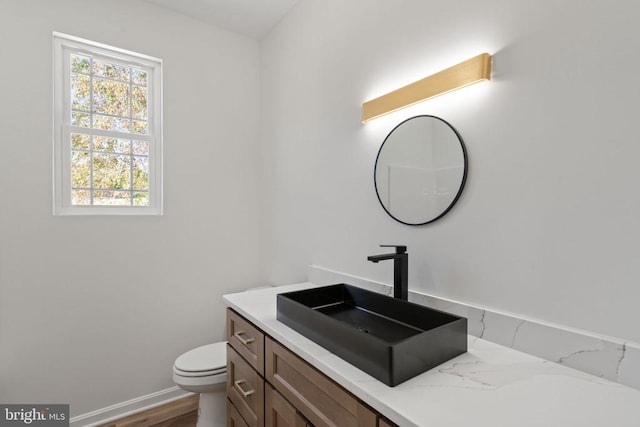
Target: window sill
<point>107,211</point>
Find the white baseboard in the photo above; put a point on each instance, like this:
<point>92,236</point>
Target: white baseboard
<point>130,407</point>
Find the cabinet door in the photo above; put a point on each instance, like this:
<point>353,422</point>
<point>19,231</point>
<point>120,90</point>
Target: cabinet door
<point>279,412</point>
<point>245,389</point>
<point>319,399</point>
<point>233,416</point>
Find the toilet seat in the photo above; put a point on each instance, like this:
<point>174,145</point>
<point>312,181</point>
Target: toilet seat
<point>200,369</point>
<point>210,359</point>
<point>207,360</point>
<point>211,373</point>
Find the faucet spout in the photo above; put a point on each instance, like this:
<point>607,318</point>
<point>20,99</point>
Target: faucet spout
<point>400,269</point>
<point>376,258</point>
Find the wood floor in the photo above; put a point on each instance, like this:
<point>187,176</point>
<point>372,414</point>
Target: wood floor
<point>180,413</point>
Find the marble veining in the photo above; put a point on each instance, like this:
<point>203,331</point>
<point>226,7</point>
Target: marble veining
<point>615,360</point>
<point>490,385</point>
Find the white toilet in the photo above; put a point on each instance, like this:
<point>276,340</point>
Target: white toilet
<point>204,370</point>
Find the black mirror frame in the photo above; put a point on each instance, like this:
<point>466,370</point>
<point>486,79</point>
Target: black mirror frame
<point>462,183</point>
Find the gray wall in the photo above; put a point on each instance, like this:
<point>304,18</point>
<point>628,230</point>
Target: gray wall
<point>548,225</point>
<point>94,310</point>
<point>267,164</point>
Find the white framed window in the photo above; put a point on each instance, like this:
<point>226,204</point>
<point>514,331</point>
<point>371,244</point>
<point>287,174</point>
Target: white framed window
<point>107,130</point>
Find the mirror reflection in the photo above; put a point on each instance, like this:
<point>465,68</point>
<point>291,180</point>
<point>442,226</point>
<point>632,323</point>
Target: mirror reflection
<point>420,170</point>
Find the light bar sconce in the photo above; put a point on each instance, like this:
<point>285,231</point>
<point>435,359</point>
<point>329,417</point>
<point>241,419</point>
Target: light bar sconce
<point>466,73</point>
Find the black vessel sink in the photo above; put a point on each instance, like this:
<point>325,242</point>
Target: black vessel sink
<point>390,339</point>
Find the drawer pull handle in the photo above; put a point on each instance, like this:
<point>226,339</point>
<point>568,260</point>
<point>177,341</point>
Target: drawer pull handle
<point>241,391</point>
<point>245,341</point>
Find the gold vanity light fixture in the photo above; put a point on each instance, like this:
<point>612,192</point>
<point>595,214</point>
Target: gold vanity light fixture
<point>466,73</point>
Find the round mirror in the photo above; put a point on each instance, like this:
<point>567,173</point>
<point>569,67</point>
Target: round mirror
<point>420,170</point>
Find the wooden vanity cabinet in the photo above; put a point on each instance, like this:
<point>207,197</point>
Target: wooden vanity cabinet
<point>268,385</point>
<point>245,389</point>
<point>319,399</point>
<point>234,419</point>
<point>246,339</point>
<point>279,412</point>
<point>383,422</point>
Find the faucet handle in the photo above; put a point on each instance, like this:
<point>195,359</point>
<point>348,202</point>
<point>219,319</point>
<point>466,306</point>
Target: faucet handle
<point>400,249</point>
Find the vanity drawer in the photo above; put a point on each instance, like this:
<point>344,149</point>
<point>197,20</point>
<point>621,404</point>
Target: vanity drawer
<point>245,389</point>
<point>246,339</point>
<point>320,400</point>
<point>233,416</point>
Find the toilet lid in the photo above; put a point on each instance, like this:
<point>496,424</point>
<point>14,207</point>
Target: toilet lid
<point>210,357</point>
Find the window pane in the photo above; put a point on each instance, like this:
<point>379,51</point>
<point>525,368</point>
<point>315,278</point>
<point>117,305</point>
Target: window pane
<point>139,127</point>
<point>80,64</point>
<point>111,198</point>
<point>112,71</point>
<point>113,145</point>
<point>80,85</point>
<point>111,171</point>
<point>139,77</point>
<point>80,169</point>
<point>141,199</point>
<point>104,136</point>
<point>80,197</point>
<point>140,173</point>
<point>111,123</point>
<point>80,119</point>
<point>111,97</point>
<point>139,103</point>
<point>80,141</point>
<point>141,147</point>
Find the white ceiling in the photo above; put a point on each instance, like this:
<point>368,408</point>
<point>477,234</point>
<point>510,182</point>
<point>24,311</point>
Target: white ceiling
<point>253,18</point>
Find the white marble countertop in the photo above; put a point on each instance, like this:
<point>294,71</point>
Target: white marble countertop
<point>490,385</point>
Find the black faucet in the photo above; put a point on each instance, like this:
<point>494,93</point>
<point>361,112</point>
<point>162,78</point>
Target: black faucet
<point>400,269</point>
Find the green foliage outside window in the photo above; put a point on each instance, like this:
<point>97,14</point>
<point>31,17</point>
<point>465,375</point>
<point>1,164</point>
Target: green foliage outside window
<point>109,97</point>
